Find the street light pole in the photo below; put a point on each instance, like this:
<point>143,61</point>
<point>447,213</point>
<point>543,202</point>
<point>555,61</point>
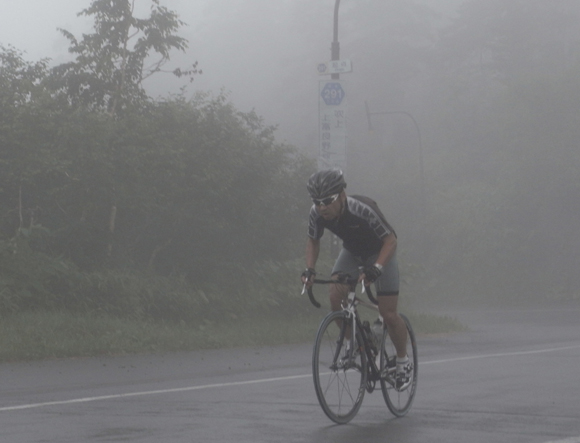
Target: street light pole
<point>334,56</point>
<point>335,48</point>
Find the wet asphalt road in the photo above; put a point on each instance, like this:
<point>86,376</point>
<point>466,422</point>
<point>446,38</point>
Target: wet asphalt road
<point>514,377</point>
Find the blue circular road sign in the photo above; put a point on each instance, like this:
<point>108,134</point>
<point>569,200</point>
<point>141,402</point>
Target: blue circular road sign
<point>332,94</point>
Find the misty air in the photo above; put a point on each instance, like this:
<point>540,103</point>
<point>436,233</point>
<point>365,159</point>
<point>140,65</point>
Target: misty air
<point>182,183</point>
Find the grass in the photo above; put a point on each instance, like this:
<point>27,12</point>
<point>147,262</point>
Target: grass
<point>47,335</point>
<point>435,324</point>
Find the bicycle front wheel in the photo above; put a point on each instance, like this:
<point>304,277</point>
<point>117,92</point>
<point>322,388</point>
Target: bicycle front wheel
<point>398,400</point>
<point>339,376</point>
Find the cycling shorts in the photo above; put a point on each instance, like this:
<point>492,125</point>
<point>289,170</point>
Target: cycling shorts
<point>388,281</point>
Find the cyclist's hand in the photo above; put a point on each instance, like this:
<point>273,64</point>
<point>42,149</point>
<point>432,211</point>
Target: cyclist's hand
<point>370,274</point>
<point>308,277</point>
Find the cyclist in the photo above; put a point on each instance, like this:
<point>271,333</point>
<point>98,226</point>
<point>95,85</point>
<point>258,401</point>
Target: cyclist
<point>368,242</point>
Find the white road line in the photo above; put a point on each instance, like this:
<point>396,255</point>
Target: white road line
<point>266,380</point>
<point>160,391</point>
<point>566,440</point>
<point>507,354</point>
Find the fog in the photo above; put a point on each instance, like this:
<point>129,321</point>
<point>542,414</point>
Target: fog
<point>473,154</point>
<point>264,54</point>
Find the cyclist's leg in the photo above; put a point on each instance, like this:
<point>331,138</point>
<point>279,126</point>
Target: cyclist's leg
<point>348,264</point>
<point>399,386</point>
<point>337,293</point>
<point>387,287</point>
<point>395,324</point>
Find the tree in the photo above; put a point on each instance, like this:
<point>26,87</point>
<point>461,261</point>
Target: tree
<point>26,116</point>
<point>19,79</point>
<point>111,63</point>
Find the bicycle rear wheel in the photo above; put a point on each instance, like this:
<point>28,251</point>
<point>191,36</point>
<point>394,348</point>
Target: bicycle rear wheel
<point>398,400</point>
<point>339,383</point>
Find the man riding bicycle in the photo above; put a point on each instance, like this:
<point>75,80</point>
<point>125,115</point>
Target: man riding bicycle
<point>368,242</point>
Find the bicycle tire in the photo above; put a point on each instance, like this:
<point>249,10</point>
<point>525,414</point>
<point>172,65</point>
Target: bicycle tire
<point>399,401</point>
<point>340,390</point>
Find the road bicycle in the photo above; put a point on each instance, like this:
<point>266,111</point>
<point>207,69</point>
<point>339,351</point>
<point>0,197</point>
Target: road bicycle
<point>342,373</point>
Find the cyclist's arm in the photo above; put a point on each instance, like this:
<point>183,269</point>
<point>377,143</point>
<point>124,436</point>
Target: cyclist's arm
<point>387,250</point>
<point>385,254</point>
<point>312,251</point>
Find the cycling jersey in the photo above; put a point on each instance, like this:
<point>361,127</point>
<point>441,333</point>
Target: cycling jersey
<point>361,226</point>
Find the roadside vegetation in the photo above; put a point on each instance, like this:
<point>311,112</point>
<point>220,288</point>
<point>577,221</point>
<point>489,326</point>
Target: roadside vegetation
<point>62,334</point>
<point>48,335</point>
<point>153,314</point>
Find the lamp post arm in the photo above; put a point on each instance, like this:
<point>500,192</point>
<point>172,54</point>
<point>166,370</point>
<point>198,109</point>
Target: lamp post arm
<point>421,169</point>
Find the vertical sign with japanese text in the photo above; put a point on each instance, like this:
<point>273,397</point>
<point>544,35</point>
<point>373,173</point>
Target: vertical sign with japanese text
<point>332,125</point>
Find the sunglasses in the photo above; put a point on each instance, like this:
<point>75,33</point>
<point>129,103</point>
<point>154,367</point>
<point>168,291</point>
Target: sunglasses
<point>325,201</point>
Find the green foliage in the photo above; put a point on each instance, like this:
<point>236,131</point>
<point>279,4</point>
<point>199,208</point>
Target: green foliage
<point>174,188</point>
<point>195,186</point>
<point>135,295</point>
<point>434,324</point>
<point>31,280</point>
<point>19,79</point>
<point>102,209</point>
<point>110,64</point>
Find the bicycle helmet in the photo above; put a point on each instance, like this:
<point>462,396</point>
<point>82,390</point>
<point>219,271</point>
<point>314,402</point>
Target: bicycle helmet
<point>325,183</point>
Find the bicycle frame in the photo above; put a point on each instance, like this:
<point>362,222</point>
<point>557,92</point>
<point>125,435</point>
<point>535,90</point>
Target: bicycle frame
<point>350,308</point>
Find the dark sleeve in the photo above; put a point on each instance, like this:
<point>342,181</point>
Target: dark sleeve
<point>315,228</point>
